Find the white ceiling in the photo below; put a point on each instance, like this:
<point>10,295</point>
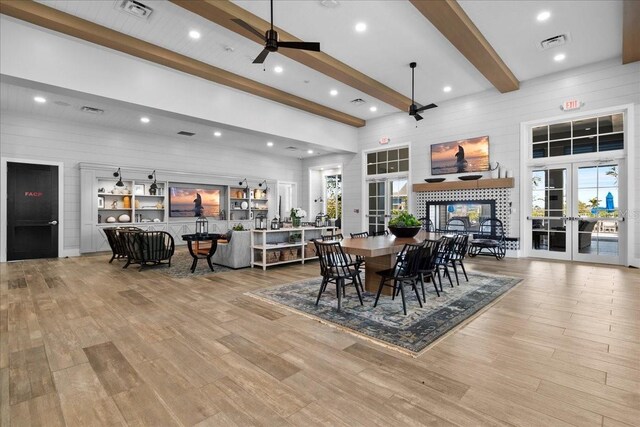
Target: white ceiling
<point>17,96</point>
<point>396,35</point>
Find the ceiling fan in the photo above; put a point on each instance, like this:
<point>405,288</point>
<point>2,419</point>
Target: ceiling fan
<point>271,40</point>
<point>413,108</point>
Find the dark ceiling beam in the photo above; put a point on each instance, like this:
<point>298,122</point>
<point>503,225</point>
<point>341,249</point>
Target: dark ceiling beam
<point>631,31</point>
<point>452,21</point>
<point>56,20</point>
<point>222,12</point>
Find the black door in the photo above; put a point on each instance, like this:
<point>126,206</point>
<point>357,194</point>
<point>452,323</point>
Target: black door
<point>32,211</point>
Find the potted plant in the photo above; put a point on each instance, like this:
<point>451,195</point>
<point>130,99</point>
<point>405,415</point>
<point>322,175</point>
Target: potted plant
<point>296,214</point>
<point>404,225</point>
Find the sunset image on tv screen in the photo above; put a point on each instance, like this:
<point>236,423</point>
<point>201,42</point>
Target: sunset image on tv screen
<point>464,155</point>
<point>186,202</point>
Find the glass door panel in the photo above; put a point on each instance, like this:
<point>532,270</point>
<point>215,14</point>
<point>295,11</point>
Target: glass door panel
<point>377,207</point>
<point>548,217</point>
<point>597,222</point>
<point>386,197</point>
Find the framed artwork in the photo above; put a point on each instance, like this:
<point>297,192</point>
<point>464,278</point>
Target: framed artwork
<point>464,155</point>
<point>138,189</point>
<point>100,202</point>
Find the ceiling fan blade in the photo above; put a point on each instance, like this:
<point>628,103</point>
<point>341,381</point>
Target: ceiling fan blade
<point>249,28</point>
<point>426,107</point>
<point>301,45</point>
<point>418,117</point>
<point>263,55</point>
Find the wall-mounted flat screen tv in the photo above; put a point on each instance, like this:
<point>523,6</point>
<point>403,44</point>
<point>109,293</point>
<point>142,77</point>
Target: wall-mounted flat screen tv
<point>462,156</point>
<point>193,202</point>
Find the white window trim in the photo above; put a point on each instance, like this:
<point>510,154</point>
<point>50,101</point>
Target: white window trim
<point>364,201</point>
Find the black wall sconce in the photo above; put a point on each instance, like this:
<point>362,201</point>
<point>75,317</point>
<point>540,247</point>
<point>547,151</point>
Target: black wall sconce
<point>118,175</point>
<point>319,200</point>
<point>246,188</point>
<point>153,188</point>
<point>266,186</point>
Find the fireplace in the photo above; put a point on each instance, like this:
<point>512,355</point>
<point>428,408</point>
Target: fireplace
<point>480,202</point>
<point>471,212</point>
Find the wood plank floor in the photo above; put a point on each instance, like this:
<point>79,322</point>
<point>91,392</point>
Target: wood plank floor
<point>84,342</point>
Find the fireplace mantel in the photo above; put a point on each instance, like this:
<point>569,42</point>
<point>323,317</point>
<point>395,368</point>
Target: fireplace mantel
<point>464,185</point>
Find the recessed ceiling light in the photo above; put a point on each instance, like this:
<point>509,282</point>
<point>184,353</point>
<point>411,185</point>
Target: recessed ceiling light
<point>144,119</point>
<point>447,89</point>
<point>543,16</point>
<point>194,34</point>
<point>278,69</point>
<point>309,151</point>
<point>39,99</point>
<point>217,133</point>
<point>269,144</point>
<point>361,27</point>
<point>373,109</point>
<point>559,57</point>
<point>321,169</point>
<point>333,92</point>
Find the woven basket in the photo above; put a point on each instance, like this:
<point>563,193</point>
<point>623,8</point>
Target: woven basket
<point>309,251</point>
<point>288,254</point>
<point>272,256</point>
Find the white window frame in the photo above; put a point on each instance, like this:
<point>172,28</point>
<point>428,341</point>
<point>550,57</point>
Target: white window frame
<point>625,156</point>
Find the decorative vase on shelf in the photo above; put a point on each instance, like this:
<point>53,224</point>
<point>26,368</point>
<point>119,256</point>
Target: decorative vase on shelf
<point>295,221</point>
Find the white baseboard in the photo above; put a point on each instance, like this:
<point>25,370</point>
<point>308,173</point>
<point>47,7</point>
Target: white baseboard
<point>70,253</point>
<point>634,262</point>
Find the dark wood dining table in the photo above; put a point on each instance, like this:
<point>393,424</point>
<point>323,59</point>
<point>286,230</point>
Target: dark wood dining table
<point>380,254</point>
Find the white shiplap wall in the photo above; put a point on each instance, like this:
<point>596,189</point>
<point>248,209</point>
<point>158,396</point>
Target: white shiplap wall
<point>600,85</point>
<point>38,138</point>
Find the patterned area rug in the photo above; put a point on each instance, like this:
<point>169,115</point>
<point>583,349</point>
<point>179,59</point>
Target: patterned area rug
<point>181,266</point>
<point>386,323</point>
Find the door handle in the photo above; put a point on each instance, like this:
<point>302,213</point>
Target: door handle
<point>54,222</point>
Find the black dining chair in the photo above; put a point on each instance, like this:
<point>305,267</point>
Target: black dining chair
<point>427,224</point>
<point>336,267</point>
<point>380,233</point>
<point>332,237</point>
<point>362,235</point>
<point>456,225</point>
<point>427,270</point>
<point>460,246</point>
<point>445,251</point>
<point>405,270</point>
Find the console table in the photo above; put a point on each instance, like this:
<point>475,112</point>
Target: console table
<point>194,241</point>
<point>285,245</point>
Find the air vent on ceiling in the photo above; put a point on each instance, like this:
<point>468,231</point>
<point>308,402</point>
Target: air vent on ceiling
<point>185,133</point>
<point>134,8</point>
<point>358,101</point>
<point>291,148</point>
<point>330,3</point>
<point>554,41</point>
<point>91,110</point>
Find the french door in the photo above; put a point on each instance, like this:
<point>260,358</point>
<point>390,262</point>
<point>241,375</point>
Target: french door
<point>386,196</point>
<point>576,212</point>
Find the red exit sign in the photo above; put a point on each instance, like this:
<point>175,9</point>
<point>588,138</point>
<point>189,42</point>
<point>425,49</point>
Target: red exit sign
<point>572,104</point>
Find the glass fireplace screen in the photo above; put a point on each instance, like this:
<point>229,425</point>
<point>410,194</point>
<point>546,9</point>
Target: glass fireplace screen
<point>472,212</point>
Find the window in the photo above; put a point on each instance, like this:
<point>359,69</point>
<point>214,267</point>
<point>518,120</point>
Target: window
<point>333,197</point>
<point>590,135</point>
<point>388,161</point>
